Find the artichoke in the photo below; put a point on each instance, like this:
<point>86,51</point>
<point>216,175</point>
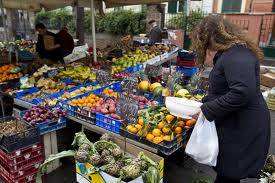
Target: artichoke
<point>105,152</point>
<point>112,169</point>
<point>120,163</point>
<point>84,147</point>
<point>82,156</point>
<point>117,153</point>
<point>143,164</point>
<point>131,171</point>
<point>106,137</point>
<point>95,159</point>
<point>108,159</point>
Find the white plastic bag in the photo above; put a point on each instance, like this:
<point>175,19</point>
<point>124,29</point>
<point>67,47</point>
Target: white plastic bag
<point>203,145</point>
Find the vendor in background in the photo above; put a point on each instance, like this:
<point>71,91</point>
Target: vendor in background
<point>155,35</point>
<point>48,45</point>
<point>234,102</point>
<point>66,41</point>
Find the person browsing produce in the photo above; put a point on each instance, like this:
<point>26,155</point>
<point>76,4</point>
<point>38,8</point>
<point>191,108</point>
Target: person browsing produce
<point>234,101</point>
<point>48,45</point>
<point>155,32</point>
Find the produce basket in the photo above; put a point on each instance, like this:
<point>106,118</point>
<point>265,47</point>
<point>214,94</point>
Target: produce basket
<point>108,123</point>
<point>25,56</point>
<point>49,126</point>
<point>114,86</point>
<point>18,140</point>
<point>21,94</point>
<point>187,71</point>
<point>23,158</point>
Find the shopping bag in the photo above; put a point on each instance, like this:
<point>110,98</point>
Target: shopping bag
<point>203,144</point>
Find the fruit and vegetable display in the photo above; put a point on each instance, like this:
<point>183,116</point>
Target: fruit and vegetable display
<point>130,59</point>
<point>9,72</point>
<point>12,126</point>
<point>109,92</point>
<point>86,102</point>
<point>67,95</point>
<point>42,70</point>
<point>30,97</point>
<point>80,73</point>
<point>50,86</point>
<point>39,114</point>
<point>105,155</point>
<point>143,101</point>
<point>156,124</point>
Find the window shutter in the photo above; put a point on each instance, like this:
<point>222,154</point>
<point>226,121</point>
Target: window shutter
<point>231,6</point>
<point>172,7</point>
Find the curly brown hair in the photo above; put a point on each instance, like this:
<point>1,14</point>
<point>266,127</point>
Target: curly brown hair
<point>217,34</point>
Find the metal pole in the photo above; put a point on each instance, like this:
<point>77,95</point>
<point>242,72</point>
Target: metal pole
<point>4,21</point>
<point>93,30</point>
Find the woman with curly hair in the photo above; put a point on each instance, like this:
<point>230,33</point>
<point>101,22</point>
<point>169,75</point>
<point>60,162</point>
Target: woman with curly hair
<point>234,99</point>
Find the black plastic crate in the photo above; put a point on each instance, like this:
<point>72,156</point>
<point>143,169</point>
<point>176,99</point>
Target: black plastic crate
<point>18,140</point>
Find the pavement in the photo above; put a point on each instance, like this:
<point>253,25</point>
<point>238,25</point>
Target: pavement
<point>177,168</point>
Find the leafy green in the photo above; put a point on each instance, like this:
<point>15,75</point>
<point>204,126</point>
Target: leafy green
<point>151,176</point>
<point>51,158</point>
<point>79,139</point>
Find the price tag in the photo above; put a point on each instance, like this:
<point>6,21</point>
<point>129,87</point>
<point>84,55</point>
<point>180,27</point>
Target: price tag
<point>127,108</point>
<point>153,70</point>
<point>103,76</point>
<point>130,84</point>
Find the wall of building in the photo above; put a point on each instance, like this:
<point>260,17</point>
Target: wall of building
<point>254,6</point>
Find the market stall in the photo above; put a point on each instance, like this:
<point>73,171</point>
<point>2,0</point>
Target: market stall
<point>125,97</point>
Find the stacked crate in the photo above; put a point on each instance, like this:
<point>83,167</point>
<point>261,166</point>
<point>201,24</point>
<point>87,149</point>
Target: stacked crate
<point>186,63</point>
<point>21,166</point>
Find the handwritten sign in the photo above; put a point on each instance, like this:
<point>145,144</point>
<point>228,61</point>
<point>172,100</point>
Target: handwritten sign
<point>130,84</point>
<point>127,108</point>
<point>103,76</point>
<point>153,70</point>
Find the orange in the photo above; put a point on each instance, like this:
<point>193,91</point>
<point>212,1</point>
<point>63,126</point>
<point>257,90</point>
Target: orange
<point>181,123</point>
<point>190,122</point>
<point>138,126</point>
<point>140,121</point>
<point>166,130</point>
<point>156,132</point>
<point>178,130</point>
<point>149,137</point>
<point>157,140</point>
<point>167,138</point>
<point>132,129</point>
<point>161,125</point>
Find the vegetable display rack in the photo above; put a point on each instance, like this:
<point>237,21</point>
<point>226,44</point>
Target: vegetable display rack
<point>165,147</point>
<point>49,126</point>
<point>18,140</point>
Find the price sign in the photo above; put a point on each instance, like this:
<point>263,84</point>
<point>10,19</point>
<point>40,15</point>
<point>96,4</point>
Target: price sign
<point>103,76</point>
<point>127,108</point>
<point>153,70</point>
<point>130,84</point>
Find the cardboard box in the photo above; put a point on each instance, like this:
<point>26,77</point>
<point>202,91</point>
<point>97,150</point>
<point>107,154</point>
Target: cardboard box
<point>85,171</point>
<point>268,79</point>
<point>48,41</point>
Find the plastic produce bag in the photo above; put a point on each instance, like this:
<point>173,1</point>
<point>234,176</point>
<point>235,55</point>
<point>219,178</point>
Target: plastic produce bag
<point>203,144</point>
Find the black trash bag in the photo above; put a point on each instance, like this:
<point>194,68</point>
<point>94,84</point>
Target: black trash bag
<point>6,105</point>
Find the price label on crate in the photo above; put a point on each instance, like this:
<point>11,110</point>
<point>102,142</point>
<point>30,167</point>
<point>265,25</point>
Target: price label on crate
<point>130,84</point>
<point>103,76</point>
<point>127,108</point>
<point>153,70</point>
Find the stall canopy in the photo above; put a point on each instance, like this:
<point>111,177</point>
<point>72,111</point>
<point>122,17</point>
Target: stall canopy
<point>36,5</point>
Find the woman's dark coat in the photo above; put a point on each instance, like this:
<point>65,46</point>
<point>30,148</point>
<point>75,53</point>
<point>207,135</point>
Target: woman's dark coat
<point>240,113</point>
